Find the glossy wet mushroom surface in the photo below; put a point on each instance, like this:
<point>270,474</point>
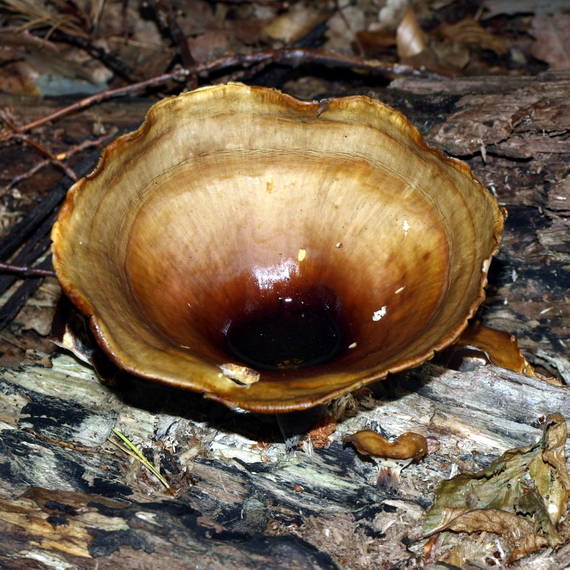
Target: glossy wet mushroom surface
<point>312,247</point>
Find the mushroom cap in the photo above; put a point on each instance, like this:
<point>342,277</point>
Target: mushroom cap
<point>235,206</point>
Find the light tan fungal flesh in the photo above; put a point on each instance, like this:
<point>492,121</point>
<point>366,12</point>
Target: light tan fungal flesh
<point>231,201</point>
<point>409,445</point>
<point>501,347</point>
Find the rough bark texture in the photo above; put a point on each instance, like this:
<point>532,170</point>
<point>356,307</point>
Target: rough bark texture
<point>255,491</point>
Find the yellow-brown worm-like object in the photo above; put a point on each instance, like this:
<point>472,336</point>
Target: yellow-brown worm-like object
<point>409,445</point>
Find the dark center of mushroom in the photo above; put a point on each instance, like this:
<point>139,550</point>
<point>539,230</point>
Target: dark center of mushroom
<point>334,280</point>
<point>292,333</point>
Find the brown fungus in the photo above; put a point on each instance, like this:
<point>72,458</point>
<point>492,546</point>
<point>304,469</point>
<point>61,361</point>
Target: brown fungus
<point>409,445</point>
<point>205,246</point>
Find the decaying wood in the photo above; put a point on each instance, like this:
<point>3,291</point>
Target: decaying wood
<point>253,491</point>
<point>239,487</point>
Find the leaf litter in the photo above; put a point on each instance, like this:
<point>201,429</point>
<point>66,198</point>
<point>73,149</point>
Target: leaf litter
<point>521,496</point>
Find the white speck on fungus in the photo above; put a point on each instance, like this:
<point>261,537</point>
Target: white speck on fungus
<point>381,312</point>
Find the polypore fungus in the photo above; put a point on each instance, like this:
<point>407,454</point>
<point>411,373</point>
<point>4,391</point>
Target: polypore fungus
<point>273,253</point>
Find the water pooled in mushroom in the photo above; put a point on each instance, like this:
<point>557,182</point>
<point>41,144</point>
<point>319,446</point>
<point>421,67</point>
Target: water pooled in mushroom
<point>294,332</point>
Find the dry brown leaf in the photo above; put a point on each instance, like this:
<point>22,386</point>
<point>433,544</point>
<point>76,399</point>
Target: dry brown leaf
<point>520,496</point>
<point>209,45</point>
<point>450,57</point>
<point>414,50</point>
<point>295,23</point>
<point>468,32</point>
<point>44,55</point>
<point>17,77</point>
<point>375,42</point>
<point>518,532</point>
<point>409,445</point>
<point>342,27</point>
<point>410,39</point>
<point>552,40</point>
<point>448,49</point>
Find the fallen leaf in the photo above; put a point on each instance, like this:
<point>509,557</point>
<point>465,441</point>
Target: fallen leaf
<point>342,27</point>
<point>552,40</point>
<point>410,39</point>
<point>294,24</point>
<point>209,45</point>
<point>17,77</point>
<point>520,496</point>
<point>519,533</point>
<point>468,32</point>
<point>449,57</point>
<point>415,51</point>
<point>375,42</point>
<point>46,57</point>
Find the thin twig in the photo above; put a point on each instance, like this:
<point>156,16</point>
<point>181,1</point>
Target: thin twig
<point>247,72</point>
<point>299,56</point>
<point>53,159</point>
<point>26,271</point>
<point>4,116</point>
<point>19,297</point>
<point>33,248</point>
<point>118,67</point>
<point>28,174</point>
<point>293,56</point>
<point>68,154</point>
<point>177,75</point>
<point>164,9</point>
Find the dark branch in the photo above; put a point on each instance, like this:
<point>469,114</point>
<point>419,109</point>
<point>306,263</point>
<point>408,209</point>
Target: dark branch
<point>292,56</point>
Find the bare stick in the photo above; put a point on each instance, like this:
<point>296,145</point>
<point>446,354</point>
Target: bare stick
<point>4,116</point>
<point>293,56</point>
<point>298,56</point>
<point>46,152</point>
<point>68,154</point>
<point>164,9</point>
<point>117,66</point>
<point>26,271</point>
<point>178,75</point>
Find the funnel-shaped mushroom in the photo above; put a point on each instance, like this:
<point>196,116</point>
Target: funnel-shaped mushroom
<point>274,253</point>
